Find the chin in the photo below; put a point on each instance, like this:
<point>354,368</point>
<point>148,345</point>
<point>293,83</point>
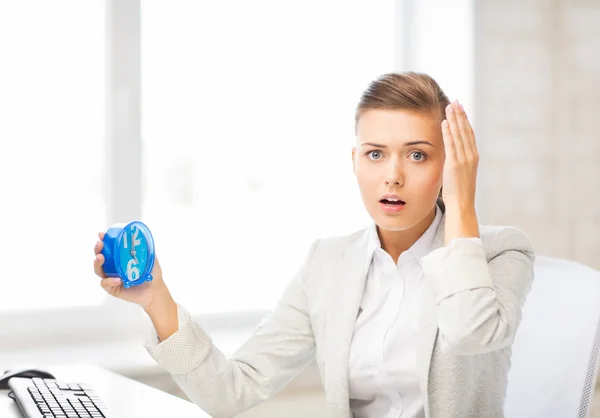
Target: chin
<point>397,222</point>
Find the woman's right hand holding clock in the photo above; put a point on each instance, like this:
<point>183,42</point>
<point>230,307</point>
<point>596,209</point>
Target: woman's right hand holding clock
<point>153,296</point>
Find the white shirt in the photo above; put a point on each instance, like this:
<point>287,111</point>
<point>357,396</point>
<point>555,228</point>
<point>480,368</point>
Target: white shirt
<point>383,378</point>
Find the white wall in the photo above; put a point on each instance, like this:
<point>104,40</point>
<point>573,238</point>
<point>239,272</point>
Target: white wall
<point>537,91</point>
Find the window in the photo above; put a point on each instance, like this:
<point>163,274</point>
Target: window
<point>442,45</point>
<point>247,131</point>
<point>247,126</point>
<point>51,151</point>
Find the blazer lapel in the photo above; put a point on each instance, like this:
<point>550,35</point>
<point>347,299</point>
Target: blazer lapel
<point>341,319</point>
<point>428,325</point>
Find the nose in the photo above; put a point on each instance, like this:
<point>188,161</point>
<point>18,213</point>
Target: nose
<point>394,175</point>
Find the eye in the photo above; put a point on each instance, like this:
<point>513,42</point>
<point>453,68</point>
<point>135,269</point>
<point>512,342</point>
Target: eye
<point>418,156</point>
<point>374,155</point>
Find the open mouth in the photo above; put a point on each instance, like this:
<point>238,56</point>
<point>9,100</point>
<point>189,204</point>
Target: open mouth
<point>393,202</point>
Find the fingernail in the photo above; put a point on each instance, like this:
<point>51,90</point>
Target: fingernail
<point>449,108</point>
<point>98,257</point>
<point>116,280</point>
<point>96,246</point>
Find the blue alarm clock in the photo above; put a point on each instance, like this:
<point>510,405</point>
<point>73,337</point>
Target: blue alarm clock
<point>129,253</point>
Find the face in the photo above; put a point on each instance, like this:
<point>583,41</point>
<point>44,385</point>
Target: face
<point>398,153</point>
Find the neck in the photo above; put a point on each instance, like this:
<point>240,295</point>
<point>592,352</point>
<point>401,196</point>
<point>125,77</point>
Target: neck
<point>396,242</point>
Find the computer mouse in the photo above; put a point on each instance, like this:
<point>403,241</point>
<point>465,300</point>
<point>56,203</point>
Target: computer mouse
<point>29,373</point>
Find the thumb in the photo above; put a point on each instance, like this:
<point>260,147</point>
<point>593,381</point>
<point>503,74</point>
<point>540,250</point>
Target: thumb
<point>110,283</point>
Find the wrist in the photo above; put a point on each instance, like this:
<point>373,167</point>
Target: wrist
<point>163,313</point>
<point>459,206</point>
<point>461,222</point>
<point>160,303</point>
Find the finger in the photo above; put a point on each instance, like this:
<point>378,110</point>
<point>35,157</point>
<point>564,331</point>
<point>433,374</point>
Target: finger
<point>466,132</point>
<point>468,128</point>
<point>449,146</point>
<point>101,235</point>
<point>110,283</point>
<point>458,141</point>
<point>98,262</point>
<point>98,247</point>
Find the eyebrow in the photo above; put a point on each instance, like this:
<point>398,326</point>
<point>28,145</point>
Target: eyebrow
<point>407,144</point>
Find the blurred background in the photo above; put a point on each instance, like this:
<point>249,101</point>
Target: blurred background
<point>227,128</point>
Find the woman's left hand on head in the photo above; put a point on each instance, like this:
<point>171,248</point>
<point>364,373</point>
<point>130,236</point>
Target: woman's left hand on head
<point>462,159</point>
<point>460,174</point>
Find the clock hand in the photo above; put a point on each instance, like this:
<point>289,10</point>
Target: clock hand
<point>133,253</point>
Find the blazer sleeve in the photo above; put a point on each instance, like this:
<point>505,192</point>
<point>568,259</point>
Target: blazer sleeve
<point>281,346</point>
<point>479,301</point>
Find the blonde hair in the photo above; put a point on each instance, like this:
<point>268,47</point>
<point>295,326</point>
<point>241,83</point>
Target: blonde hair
<point>407,90</point>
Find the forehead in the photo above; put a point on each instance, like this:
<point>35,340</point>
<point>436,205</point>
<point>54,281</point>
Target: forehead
<point>386,126</point>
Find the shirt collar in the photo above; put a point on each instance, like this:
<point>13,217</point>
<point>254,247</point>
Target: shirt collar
<point>421,247</point>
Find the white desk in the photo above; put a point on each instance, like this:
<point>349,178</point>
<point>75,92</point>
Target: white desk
<point>124,397</point>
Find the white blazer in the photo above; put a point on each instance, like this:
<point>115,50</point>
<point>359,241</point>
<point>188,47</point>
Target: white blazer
<point>470,309</point>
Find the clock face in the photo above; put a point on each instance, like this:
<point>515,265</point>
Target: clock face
<point>134,252</point>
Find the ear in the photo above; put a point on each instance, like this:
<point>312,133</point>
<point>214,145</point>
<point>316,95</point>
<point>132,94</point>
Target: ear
<point>354,159</point>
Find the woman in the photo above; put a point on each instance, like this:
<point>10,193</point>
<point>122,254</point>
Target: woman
<point>411,317</point>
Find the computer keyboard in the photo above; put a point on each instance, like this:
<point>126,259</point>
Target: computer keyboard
<point>50,398</point>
